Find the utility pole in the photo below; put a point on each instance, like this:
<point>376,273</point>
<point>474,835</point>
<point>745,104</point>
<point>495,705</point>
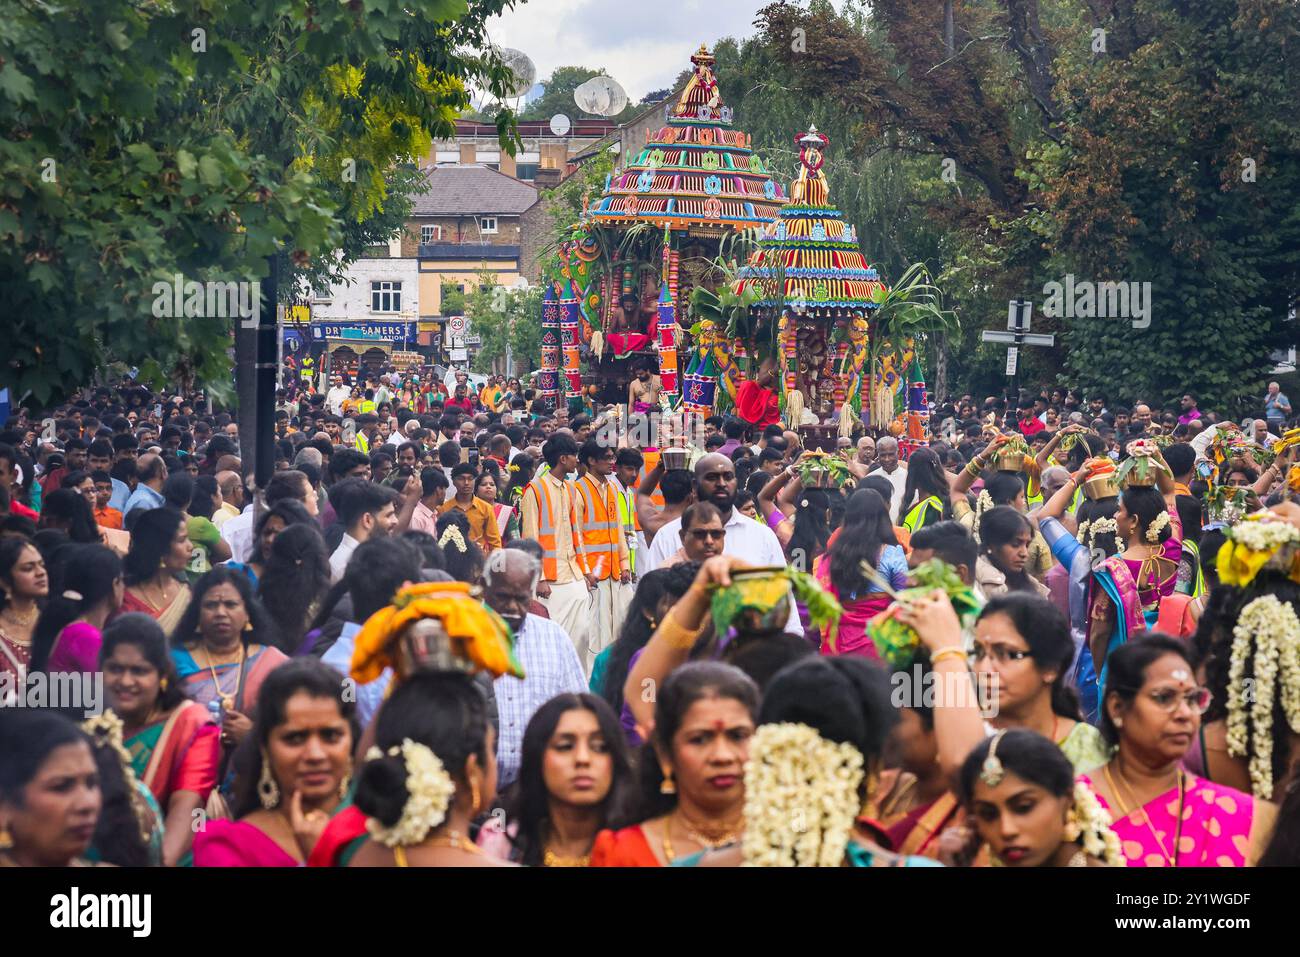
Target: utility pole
<point>1017,335</point>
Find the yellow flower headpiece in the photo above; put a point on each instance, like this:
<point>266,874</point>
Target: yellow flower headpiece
<point>1289,438</point>
<point>477,633</point>
<point>1259,541</point>
<point>1293,478</point>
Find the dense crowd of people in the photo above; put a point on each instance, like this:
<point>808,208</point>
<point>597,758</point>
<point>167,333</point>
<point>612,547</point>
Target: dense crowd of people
<point>466,627</point>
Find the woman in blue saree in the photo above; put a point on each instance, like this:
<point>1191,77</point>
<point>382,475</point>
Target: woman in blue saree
<point>1122,562</point>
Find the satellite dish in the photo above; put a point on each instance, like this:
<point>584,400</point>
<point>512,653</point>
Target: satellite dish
<point>560,124</point>
<point>601,95</point>
<point>523,68</point>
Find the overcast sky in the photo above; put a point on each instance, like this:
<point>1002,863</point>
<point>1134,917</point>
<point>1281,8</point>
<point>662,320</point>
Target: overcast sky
<point>642,45</point>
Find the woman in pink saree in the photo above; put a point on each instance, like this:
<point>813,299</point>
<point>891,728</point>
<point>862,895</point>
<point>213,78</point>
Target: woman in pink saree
<point>867,535</point>
<point>295,780</point>
<point>1164,815</point>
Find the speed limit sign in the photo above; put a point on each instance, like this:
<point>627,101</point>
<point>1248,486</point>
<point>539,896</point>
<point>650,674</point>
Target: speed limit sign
<point>456,324</point>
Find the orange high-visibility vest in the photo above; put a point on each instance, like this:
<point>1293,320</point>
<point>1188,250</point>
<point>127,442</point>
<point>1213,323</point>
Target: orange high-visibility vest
<point>600,528</point>
<point>651,459</point>
<point>546,531</point>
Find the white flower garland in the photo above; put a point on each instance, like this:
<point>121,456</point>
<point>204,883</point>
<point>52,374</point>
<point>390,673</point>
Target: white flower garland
<point>1269,632</point>
<point>1089,823</point>
<point>801,798</point>
<point>429,788</point>
<point>1098,527</point>
<point>983,503</point>
<point>1157,526</point>
<point>1263,536</point>
<point>1081,536</point>
<point>452,534</point>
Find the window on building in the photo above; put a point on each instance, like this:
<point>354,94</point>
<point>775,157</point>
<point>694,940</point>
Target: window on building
<point>487,224</point>
<point>527,171</point>
<point>385,296</point>
<point>430,234</point>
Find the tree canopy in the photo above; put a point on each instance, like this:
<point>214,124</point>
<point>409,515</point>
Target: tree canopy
<point>198,140</point>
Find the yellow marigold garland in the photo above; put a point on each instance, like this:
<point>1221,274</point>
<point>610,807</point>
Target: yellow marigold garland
<point>476,631</point>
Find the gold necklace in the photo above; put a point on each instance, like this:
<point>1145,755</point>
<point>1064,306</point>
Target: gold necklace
<point>227,700</point>
<point>728,836</point>
<point>24,622</point>
<point>162,594</point>
<point>1178,831</point>
<point>551,859</point>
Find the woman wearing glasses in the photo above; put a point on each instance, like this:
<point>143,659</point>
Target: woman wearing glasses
<point>1164,815</point>
<point>1022,654</point>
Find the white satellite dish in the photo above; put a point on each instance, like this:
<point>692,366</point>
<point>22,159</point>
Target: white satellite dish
<point>601,95</point>
<point>560,124</point>
<point>523,68</point>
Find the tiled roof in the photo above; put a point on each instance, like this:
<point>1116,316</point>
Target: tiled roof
<point>471,191</point>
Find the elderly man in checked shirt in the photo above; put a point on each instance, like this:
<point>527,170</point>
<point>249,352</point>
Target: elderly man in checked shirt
<point>550,662</point>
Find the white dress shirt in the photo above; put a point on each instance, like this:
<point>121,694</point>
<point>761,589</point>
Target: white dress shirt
<point>342,555</point>
<point>238,533</point>
<point>898,479</point>
<point>746,539</point>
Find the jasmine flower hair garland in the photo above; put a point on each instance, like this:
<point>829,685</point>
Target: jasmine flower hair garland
<point>429,791</point>
<point>1267,633</point>
<point>801,798</point>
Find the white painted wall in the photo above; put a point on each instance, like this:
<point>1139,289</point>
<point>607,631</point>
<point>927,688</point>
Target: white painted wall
<point>350,302</point>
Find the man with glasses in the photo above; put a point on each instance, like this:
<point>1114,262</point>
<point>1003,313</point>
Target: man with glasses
<point>702,535</point>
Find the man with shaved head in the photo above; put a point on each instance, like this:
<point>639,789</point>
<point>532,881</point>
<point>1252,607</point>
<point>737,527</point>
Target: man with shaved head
<point>150,473</point>
<point>232,497</point>
<point>891,469</point>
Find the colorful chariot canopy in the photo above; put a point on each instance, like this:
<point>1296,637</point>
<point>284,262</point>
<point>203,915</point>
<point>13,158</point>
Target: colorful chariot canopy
<point>811,248</point>
<point>696,174</point>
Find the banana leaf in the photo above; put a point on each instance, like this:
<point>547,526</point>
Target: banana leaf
<point>896,642</point>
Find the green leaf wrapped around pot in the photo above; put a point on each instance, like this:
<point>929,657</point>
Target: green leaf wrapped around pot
<point>823,470</point>
<point>757,600</point>
<point>897,643</point>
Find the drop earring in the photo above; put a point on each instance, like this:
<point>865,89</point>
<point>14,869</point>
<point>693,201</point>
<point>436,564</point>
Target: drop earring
<point>268,792</point>
<point>668,786</point>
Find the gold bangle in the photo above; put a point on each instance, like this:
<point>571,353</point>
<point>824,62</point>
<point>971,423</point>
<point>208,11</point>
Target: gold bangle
<point>676,635</point>
<point>952,651</point>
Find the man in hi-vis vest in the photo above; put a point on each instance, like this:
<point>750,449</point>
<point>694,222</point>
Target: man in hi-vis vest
<point>548,517</point>
<point>596,503</point>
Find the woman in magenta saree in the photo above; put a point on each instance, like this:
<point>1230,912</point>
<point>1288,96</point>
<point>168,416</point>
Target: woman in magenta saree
<point>294,778</point>
<point>1126,589</point>
<point>1164,815</point>
<point>866,536</point>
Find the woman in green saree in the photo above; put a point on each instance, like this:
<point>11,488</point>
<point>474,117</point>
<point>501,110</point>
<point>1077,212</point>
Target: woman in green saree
<point>172,741</point>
